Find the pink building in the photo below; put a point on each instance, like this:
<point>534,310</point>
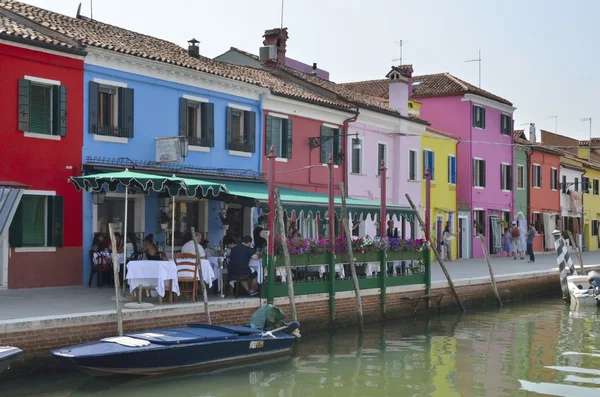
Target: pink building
<point>485,155</point>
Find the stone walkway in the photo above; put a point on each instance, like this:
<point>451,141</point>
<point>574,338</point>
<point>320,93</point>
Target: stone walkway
<point>42,302</point>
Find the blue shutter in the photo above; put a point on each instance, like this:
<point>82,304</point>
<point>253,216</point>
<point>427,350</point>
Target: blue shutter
<point>454,170</point>
<point>425,162</point>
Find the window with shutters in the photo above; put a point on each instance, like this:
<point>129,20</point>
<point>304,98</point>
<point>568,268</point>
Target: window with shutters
<point>520,177</point>
<point>38,222</point>
<point>478,173</point>
<point>506,177</point>
<point>196,122</point>
<point>42,107</point>
<point>596,188</point>
<point>478,222</point>
<point>554,179</point>
<point>506,124</point>
<point>576,184</point>
<point>381,156</point>
<point>538,222</point>
<point>357,157</point>
<point>429,162</point>
<point>110,110</point>
<point>585,185</point>
<point>536,176</point>
<point>452,169</point>
<point>331,144</point>
<point>240,130</point>
<point>412,165</point>
<point>279,136</point>
<point>595,226</point>
<point>478,116</point>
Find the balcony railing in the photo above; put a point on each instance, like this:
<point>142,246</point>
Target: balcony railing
<point>109,130</point>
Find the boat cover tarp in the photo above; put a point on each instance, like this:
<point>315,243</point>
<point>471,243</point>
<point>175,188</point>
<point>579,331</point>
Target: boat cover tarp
<point>183,335</point>
<point>267,318</point>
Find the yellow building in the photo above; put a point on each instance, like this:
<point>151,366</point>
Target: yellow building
<point>438,151</point>
<point>591,200</point>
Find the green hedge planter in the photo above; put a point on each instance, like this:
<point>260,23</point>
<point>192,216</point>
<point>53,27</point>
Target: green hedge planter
<point>403,255</point>
<point>359,258</point>
<point>302,260</point>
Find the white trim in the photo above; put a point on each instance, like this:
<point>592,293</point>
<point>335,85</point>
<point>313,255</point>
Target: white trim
<point>481,101</point>
<point>238,153</point>
<point>112,139</point>
<point>172,73</point>
<point>39,192</point>
<point>110,83</point>
<point>195,98</point>
<point>478,209</point>
<point>416,151</point>
<point>503,163</point>
<point>379,120</point>
<point>202,149</point>
<point>281,159</point>
<point>506,191</point>
<point>477,158</point>
<point>523,168</point>
<point>478,187</point>
<point>35,249</point>
<point>42,80</point>
<point>278,115</point>
<point>240,107</point>
<point>39,49</point>
<point>337,127</point>
<point>42,136</point>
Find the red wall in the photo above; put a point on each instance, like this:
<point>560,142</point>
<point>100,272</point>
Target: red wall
<point>44,164</point>
<point>313,179</point>
<point>543,199</point>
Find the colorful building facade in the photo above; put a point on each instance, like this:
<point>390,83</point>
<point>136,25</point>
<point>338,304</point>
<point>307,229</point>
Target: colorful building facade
<point>42,120</point>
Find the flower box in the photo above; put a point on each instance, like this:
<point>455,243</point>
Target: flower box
<point>402,255</point>
<point>303,260</point>
<point>359,258</point>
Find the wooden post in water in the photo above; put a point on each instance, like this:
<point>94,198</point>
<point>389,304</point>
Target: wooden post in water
<point>487,259</point>
<point>577,249</point>
<point>348,233</point>
<point>286,255</point>
<point>200,276</point>
<point>115,263</point>
<point>437,256</point>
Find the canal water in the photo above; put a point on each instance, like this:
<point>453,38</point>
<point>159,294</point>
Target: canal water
<point>526,349</point>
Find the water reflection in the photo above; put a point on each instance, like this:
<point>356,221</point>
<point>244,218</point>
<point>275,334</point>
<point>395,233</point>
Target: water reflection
<point>537,348</point>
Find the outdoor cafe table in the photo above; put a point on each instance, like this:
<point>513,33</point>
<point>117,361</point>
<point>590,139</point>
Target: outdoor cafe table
<point>153,274</point>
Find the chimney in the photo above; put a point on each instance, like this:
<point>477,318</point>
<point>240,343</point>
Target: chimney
<point>532,137</point>
<point>277,37</point>
<point>193,48</point>
<point>400,80</point>
<point>314,69</point>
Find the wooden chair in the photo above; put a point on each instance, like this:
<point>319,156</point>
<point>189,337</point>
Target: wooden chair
<point>235,278</point>
<point>186,264</point>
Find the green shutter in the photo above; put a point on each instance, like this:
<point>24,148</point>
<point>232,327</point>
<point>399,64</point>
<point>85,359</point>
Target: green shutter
<point>483,172</point>
<point>208,123</point>
<point>482,117</point>
<point>324,155</point>
<point>474,111</point>
<point>34,221</point>
<point>40,112</point>
<point>93,107</point>
<point>55,221</point>
<point>287,133</point>
<point>250,129</point>
<point>474,172</point>
<point>228,128</point>
<point>59,104</point>
<point>338,146</point>
<point>126,112</point>
<point>268,134</point>
<point>15,232</point>
<point>183,103</point>
<point>24,107</point>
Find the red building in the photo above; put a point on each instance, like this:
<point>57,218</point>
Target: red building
<point>41,80</point>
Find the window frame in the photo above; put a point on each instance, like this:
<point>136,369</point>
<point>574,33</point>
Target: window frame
<point>521,175</point>
<point>57,107</point>
<point>508,130</point>
<point>596,186</point>
<point>431,163</point>
<point>585,185</point>
<point>506,182</point>
<point>554,179</point>
<point>478,117</point>
<point>333,142</point>
<point>359,154</point>
<point>385,152</point>
<point>452,176</point>
<point>51,104</point>
<point>476,212</point>
<point>414,167</point>
<point>536,177</point>
<point>46,194</point>
<point>479,183</point>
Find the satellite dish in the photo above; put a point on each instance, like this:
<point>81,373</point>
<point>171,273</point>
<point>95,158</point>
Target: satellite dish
<point>78,11</point>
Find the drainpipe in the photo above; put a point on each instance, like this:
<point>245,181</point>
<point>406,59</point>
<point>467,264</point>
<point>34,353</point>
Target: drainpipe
<point>260,125</point>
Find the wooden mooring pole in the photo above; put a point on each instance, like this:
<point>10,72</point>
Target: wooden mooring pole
<point>115,263</point>
<point>437,255</point>
<point>286,254</point>
<point>348,238</point>
<point>201,277</point>
<point>489,264</point>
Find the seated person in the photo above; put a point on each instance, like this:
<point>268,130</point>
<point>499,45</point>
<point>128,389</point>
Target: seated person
<point>190,248</point>
<point>119,242</point>
<point>100,243</point>
<point>150,249</point>
<point>239,260</point>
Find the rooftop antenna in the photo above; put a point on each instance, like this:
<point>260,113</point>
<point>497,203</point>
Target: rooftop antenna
<point>91,9</point>
<point>78,11</point>
<point>590,120</point>
<point>399,59</point>
<point>282,1</point>
<point>477,60</point>
<point>555,123</point>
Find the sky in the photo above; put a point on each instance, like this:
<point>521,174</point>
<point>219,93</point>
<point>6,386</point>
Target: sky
<point>541,55</point>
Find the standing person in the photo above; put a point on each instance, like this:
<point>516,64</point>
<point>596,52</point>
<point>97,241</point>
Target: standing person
<point>515,239</point>
<point>506,246</point>
<point>259,240</point>
<point>530,237</point>
<point>392,232</point>
<point>447,238</point>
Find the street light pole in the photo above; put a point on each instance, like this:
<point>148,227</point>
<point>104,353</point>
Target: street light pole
<point>271,225</point>
<point>382,211</point>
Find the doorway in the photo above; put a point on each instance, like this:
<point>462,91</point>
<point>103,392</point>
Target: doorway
<point>495,235</point>
<point>462,237</point>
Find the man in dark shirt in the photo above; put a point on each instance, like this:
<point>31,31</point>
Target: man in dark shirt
<point>239,260</point>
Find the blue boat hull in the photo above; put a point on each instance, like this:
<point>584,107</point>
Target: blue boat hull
<point>7,355</point>
<point>192,348</point>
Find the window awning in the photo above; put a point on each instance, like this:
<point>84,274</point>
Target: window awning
<point>308,203</point>
<point>10,197</point>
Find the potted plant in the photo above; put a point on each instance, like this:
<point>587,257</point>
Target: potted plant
<point>222,216</point>
<point>163,219</point>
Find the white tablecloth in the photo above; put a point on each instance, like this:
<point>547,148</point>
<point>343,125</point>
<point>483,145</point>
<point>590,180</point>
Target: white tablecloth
<point>152,274</point>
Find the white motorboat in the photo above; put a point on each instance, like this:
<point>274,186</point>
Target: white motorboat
<point>584,290</point>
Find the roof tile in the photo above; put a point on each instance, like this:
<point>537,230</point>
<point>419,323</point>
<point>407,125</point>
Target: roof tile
<point>10,27</point>
<point>442,133</point>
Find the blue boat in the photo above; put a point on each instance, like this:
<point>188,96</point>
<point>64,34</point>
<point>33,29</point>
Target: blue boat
<point>197,347</point>
<point>7,355</point>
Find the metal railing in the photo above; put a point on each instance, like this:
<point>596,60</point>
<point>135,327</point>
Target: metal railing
<point>110,130</point>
